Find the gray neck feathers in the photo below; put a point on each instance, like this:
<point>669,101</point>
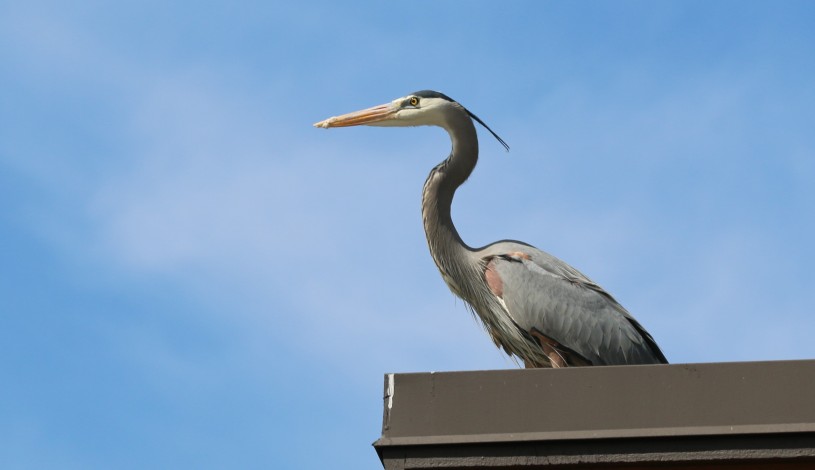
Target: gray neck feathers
<point>450,253</point>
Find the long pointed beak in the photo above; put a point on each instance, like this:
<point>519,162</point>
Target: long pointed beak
<point>357,118</point>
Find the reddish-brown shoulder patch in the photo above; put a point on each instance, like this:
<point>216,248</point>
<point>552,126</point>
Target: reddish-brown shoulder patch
<point>493,279</point>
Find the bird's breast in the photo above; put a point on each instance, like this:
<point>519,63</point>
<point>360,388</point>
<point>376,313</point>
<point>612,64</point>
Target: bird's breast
<point>451,283</point>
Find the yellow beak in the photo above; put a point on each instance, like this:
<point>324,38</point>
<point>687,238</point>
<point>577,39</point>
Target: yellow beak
<point>365,116</point>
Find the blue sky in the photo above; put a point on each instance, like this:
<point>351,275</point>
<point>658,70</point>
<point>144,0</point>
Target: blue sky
<point>191,276</point>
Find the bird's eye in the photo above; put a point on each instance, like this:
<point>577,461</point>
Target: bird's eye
<point>413,101</point>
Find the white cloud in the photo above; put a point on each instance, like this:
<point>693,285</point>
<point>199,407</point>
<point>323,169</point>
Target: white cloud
<point>245,208</point>
<point>279,232</point>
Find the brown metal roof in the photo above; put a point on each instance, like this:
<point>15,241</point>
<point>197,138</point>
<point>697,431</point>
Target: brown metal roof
<point>603,407</point>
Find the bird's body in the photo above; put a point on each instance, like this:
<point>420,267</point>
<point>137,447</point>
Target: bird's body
<point>534,306</point>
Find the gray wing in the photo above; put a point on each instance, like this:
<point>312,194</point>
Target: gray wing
<point>545,295</point>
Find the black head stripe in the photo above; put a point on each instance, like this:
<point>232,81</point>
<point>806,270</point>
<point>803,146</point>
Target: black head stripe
<point>433,94</point>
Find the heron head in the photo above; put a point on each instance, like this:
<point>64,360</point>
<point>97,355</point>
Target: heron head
<point>422,108</point>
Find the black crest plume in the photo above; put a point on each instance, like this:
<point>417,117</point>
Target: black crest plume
<point>436,94</point>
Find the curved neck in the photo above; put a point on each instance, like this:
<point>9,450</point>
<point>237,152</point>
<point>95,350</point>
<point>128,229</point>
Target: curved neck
<point>449,251</point>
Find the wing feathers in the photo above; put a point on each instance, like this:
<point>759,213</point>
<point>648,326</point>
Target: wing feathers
<point>562,304</point>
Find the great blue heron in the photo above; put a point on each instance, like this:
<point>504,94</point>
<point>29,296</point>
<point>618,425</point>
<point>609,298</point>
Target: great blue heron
<point>534,306</point>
